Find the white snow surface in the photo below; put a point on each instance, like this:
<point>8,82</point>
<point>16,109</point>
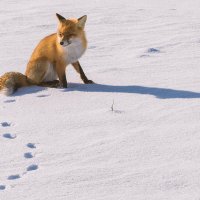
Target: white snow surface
<point>58,144</point>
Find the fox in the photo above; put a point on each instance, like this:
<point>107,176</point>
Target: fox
<point>48,62</point>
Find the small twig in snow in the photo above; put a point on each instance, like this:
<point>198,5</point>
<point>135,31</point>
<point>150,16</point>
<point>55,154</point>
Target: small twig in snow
<point>112,107</point>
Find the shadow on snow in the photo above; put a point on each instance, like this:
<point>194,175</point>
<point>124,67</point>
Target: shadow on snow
<point>160,93</point>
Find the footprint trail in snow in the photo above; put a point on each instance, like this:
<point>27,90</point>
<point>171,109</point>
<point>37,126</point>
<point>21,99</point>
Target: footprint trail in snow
<point>5,124</point>
<point>9,136</point>
<point>27,155</point>
<point>13,177</point>
<point>32,167</point>
<point>31,145</point>
<point>2,187</point>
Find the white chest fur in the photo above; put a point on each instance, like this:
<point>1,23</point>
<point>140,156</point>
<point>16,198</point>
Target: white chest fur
<point>73,51</point>
<point>50,74</point>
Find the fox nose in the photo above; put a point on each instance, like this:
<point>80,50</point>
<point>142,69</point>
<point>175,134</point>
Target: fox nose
<point>61,43</point>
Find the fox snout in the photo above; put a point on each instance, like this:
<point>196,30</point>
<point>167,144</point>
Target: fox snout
<point>64,41</point>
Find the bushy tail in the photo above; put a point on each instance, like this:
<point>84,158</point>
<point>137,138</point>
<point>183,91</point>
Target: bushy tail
<point>11,81</point>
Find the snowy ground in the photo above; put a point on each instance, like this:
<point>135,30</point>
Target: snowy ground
<point>58,144</point>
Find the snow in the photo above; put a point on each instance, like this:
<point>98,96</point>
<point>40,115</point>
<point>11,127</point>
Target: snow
<point>60,144</point>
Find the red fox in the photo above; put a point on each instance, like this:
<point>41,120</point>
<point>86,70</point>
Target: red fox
<point>50,58</point>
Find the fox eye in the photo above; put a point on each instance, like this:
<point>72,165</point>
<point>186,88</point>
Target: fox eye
<point>60,34</point>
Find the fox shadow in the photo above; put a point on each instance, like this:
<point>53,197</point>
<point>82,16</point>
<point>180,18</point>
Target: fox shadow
<point>160,93</point>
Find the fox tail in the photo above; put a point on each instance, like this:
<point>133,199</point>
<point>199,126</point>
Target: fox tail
<point>11,81</point>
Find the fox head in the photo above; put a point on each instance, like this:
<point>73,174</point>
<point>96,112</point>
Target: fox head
<point>70,30</point>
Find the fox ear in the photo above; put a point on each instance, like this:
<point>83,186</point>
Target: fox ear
<point>81,21</point>
<point>60,18</point>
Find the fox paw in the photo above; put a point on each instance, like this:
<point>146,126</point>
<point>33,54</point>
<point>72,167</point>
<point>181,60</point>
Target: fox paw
<point>89,82</point>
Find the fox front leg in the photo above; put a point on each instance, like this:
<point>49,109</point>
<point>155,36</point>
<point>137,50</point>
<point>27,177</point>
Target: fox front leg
<point>79,69</point>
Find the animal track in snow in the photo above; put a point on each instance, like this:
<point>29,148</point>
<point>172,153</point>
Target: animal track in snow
<point>150,51</point>
<point>10,101</point>
<point>5,124</point>
<point>13,177</point>
<point>144,56</point>
<point>2,187</point>
<point>43,95</point>
<point>28,155</point>
<point>9,136</point>
<point>31,145</point>
<point>32,167</point>
<point>153,50</point>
